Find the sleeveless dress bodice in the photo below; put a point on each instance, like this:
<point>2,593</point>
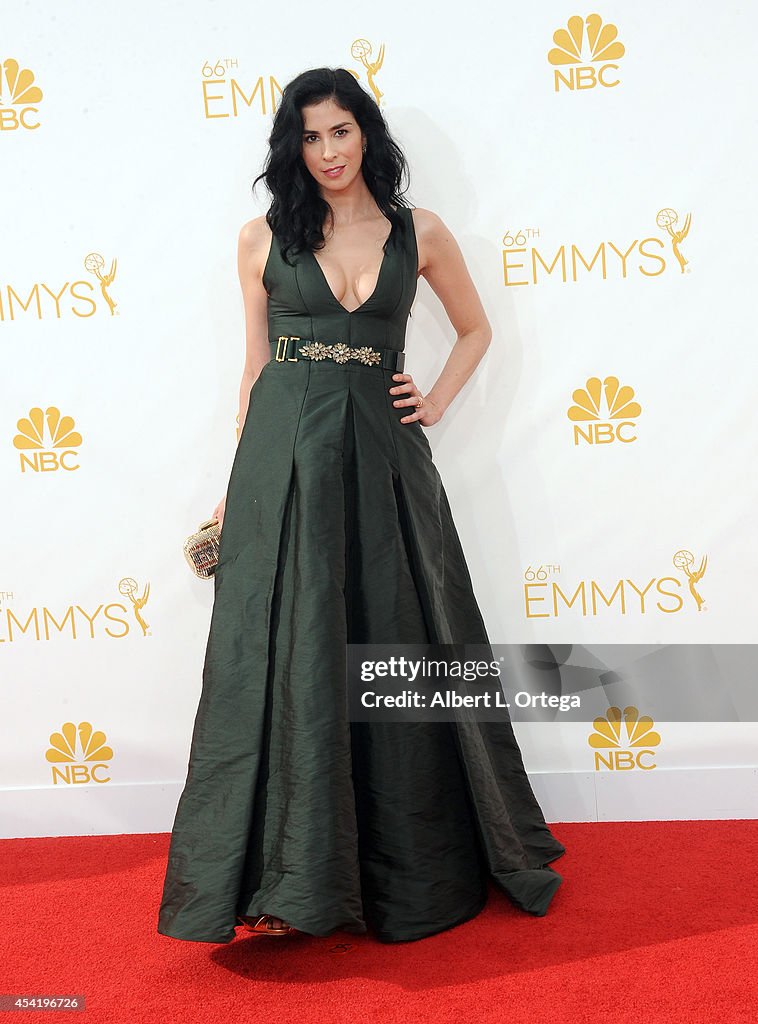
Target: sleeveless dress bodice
<point>301,302</point>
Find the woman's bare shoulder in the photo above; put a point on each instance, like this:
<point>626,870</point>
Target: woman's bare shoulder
<point>254,243</point>
<point>431,232</point>
<point>255,232</point>
<point>427,223</point>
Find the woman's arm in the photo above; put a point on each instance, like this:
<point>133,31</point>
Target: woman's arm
<point>441,262</point>
<point>252,253</point>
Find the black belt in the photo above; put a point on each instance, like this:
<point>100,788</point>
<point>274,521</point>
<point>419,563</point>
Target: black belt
<point>290,348</point>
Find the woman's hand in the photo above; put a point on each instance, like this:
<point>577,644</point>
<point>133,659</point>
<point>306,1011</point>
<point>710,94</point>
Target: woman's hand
<point>218,512</point>
<point>426,411</point>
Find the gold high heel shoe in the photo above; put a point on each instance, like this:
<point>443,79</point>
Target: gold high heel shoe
<point>262,925</point>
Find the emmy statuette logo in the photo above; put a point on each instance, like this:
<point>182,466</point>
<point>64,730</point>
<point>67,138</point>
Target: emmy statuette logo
<point>667,220</point>
<point>128,588</point>
<point>95,264</point>
<point>684,561</point>
<point>360,50</point>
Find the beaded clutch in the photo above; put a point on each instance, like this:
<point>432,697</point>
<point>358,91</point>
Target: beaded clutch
<point>201,549</point>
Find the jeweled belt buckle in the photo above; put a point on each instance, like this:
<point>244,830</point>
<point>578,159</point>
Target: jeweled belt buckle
<point>281,348</point>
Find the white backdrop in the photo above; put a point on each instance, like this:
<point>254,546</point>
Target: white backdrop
<point>129,140</point>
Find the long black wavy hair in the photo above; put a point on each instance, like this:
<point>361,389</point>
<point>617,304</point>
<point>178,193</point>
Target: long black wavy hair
<point>298,212</point>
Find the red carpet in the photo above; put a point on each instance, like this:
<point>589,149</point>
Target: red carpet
<point>654,922</point>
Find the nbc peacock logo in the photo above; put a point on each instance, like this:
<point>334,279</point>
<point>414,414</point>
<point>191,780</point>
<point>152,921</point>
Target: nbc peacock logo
<point>604,411</point>
<point>79,755</point>
<point>47,441</point>
<point>624,740</point>
<point>585,54</point>
<point>19,97</point>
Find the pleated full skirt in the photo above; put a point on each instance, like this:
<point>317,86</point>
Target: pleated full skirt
<point>338,530</point>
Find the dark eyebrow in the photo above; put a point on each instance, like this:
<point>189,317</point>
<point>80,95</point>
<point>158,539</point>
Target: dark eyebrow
<point>332,129</point>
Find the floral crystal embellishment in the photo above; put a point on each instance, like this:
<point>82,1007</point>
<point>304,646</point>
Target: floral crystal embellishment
<point>340,352</point>
<point>316,350</point>
<point>367,355</point>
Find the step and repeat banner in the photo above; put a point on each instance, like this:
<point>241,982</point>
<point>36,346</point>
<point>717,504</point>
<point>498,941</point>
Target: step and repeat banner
<point>597,170</point>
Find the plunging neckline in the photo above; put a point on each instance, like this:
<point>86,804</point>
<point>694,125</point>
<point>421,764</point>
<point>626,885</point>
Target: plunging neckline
<point>334,298</point>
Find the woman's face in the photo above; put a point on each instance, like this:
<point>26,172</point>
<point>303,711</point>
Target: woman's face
<point>332,139</point>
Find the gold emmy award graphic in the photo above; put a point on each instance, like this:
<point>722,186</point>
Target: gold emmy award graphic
<point>666,220</point>
<point>684,560</point>
<point>95,264</point>
<point>128,587</point>
<point>361,50</point>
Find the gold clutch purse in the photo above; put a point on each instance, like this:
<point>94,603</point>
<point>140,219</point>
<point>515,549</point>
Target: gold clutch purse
<point>201,549</point>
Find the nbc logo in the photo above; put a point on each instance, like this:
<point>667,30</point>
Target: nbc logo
<point>57,451</point>
<point>624,747</point>
<point>18,94</point>
<point>586,49</point>
<point>595,425</point>
<point>82,762</point>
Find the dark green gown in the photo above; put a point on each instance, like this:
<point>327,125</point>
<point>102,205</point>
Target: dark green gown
<point>338,530</point>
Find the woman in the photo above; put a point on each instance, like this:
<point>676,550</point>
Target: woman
<point>336,530</point>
